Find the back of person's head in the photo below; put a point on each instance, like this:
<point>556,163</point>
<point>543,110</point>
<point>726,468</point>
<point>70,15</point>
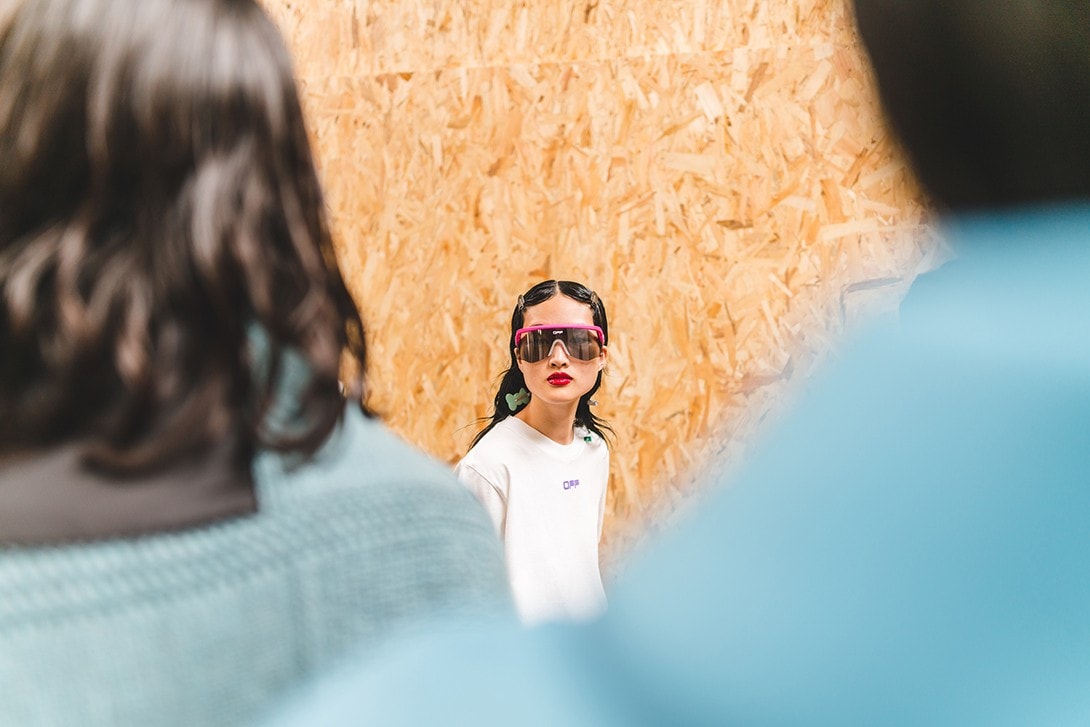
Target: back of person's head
<point>991,99</point>
<point>158,206</point>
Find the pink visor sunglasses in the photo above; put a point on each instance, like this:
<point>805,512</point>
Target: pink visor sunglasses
<point>581,342</point>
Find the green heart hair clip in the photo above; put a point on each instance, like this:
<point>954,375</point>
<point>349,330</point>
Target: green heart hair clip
<point>514,401</point>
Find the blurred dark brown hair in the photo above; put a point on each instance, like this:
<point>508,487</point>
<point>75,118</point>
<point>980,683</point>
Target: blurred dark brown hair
<point>159,212</point>
<point>991,99</point>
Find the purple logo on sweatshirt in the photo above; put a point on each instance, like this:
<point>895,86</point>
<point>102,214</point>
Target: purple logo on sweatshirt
<point>571,484</point>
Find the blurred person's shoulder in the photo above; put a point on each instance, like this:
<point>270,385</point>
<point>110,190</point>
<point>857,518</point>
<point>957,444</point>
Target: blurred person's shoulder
<point>367,467</point>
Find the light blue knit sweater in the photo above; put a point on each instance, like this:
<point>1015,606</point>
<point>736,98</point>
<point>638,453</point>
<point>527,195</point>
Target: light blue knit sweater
<point>208,626</point>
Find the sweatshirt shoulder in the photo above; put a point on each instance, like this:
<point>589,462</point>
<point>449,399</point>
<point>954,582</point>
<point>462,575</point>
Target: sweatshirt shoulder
<point>596,445</point>
<point>490,458</point>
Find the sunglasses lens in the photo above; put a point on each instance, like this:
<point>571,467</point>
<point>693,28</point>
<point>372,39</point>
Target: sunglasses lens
<point>534,346</point>
<point>580,343</point>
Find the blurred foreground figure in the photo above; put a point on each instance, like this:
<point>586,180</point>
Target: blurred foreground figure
<point>191,519</point>
<point>912,547</point>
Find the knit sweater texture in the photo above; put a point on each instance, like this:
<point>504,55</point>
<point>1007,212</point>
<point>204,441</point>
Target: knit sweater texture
<point>210,625</point>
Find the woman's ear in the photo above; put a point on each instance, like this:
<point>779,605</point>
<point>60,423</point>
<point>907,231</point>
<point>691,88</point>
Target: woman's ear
<point>603,357</point>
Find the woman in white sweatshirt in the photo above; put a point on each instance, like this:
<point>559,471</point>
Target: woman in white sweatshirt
<point>541,466</point>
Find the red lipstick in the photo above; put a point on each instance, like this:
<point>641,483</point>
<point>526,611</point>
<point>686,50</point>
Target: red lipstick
<point>559,379</point>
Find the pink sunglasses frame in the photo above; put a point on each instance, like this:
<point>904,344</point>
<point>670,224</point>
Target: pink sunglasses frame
<point>523,331</point>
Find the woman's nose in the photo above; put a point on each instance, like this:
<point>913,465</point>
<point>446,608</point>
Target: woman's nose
<point>558,354</point>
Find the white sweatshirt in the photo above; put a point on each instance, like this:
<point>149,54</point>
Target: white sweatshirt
<point>547,501</point>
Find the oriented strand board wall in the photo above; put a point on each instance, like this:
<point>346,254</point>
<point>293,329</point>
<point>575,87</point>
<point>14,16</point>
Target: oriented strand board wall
<point>715,169</point>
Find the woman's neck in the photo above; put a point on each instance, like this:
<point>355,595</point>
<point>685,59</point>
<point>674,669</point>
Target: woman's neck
<point>555,422</point>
